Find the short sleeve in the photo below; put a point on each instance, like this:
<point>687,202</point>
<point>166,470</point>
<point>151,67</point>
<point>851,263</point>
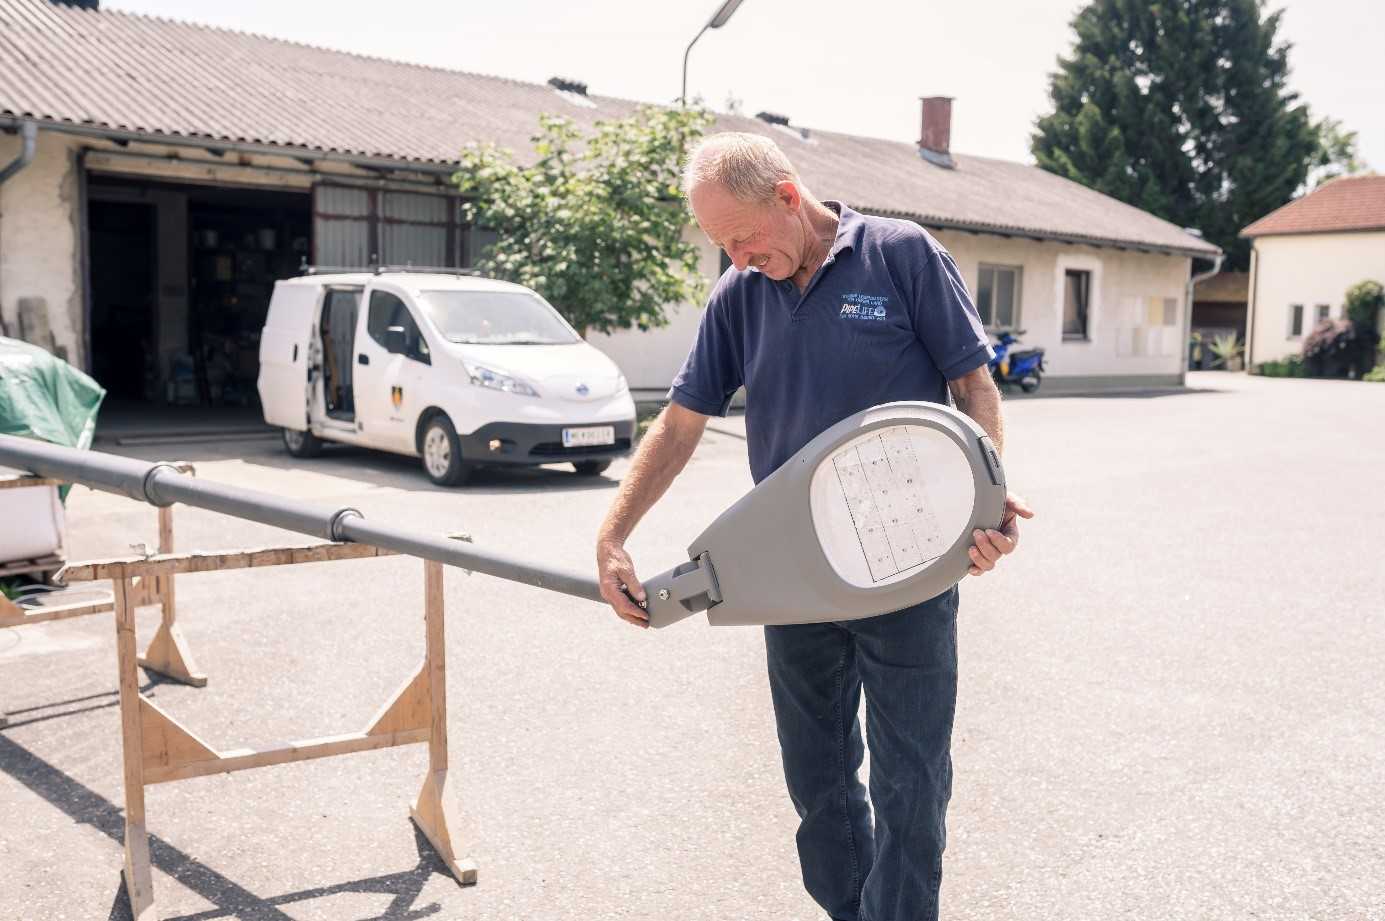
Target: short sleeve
<point>711,374</point>
<point>945,319</point>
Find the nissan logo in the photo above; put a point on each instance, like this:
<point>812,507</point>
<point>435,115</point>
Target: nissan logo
<point>583,390</point>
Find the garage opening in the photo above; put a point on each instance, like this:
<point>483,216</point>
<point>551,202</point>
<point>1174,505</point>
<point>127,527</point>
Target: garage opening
<point>122,297</point>
<point>181,277</point>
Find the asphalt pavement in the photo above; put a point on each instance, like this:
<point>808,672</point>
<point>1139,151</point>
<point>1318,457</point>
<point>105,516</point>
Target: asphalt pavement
<point>1171,702</point>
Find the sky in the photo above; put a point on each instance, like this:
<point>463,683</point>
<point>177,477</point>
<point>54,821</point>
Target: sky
<point>857,67</point>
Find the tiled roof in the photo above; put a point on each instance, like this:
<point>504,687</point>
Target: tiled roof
<point>104,71</point>
<point>1345,204</point>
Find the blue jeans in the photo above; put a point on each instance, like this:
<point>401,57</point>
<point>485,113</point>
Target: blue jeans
<point>856,869</point>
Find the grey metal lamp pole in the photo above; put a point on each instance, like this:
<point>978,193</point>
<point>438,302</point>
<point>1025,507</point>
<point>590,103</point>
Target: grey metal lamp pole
<point>718,20</point>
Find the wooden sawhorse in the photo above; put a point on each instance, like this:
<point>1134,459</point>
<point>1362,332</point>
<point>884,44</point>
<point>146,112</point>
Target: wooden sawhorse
<point>167,653</point>
<point>159,749</point>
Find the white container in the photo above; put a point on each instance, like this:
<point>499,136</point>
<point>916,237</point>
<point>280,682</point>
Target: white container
<point>32,518</point>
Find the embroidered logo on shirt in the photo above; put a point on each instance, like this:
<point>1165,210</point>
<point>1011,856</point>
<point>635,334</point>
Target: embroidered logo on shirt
<point>864,307</point>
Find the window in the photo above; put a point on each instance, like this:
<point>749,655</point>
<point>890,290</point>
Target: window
<point>476,243</point>
<point>386,310</point>
<point>1324,311</point>
<point>1077,287</point>
<point>1295,320</point>
<point>495,318</point>
<point>998,296</point>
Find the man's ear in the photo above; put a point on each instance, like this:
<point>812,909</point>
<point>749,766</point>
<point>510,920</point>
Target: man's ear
<point>786,191</point>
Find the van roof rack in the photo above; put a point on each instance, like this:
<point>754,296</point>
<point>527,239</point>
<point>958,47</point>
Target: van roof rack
<point>377,269</point>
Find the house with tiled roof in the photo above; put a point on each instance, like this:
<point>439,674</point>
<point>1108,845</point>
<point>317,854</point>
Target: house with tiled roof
<point>157,177</point>
<point>1305,255</point>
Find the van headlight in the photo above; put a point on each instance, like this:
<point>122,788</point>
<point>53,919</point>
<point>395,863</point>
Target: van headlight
<point>484,377</point>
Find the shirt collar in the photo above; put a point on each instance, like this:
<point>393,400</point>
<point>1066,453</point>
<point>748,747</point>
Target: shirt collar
<point>849,228</point>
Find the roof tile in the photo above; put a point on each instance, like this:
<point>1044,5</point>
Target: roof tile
<point>1345,204</point>
<point>160,77</point>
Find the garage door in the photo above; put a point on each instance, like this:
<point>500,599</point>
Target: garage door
<point>354,227</point>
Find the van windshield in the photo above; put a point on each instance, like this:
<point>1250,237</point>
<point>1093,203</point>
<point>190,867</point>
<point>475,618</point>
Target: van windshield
<point>495,318</point>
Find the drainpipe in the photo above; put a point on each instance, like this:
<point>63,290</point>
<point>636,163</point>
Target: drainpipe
<point>28,134</point>
<point>1217,260</point>
<point>1250,301</point>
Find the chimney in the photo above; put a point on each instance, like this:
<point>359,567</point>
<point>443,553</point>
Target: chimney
<point>935,136</point>
<point>566,85</point>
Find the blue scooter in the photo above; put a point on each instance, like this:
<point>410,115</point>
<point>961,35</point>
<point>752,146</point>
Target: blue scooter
<point>1025,368</point>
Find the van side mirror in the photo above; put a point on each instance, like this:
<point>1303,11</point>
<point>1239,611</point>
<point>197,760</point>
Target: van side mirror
<point>395,343</point>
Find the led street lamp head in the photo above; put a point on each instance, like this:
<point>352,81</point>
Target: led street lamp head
<point>873,515</point>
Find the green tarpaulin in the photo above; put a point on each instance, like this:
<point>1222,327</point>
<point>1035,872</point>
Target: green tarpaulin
<point>45,397</point>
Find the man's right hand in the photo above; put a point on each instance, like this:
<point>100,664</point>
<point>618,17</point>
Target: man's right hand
<point>616,572</point>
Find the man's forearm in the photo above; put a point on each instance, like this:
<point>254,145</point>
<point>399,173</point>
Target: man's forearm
<point>982,404</point>
<point>662,455</point>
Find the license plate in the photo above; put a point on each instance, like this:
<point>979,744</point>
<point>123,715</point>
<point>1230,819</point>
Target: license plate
<point>589,437</point>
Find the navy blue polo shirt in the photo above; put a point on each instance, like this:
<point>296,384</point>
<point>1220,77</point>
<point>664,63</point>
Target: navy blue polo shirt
<point>886,318</point>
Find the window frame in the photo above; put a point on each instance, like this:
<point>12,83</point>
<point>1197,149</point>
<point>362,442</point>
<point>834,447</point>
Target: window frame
<point>1016,297</point>
<point>1297,314</point>
<point>412,353</point>
<point>1086,308</point>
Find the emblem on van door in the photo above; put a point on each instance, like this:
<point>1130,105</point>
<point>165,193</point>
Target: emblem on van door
<point>583,390</point>
<point>396,396</point>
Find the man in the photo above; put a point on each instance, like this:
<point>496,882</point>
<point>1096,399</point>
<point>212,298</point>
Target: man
<point>784,323</point>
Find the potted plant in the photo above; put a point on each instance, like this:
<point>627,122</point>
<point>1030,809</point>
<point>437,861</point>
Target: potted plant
<point>1228,350</point>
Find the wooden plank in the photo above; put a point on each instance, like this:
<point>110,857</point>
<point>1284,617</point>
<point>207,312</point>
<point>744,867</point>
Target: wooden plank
<point>139,881</point>
<point>213,561</point>
<point>24,482</point>
<point>168,743</point>
<point>46,613</point>
<point>306,750</point>
<point>435,663</point>
<point>25,567</point>
<point>409,708</point>
<point>435,809</point>
<point>167,653</point>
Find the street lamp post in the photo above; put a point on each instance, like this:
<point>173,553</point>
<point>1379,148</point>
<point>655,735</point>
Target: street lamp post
<point>718,20</point>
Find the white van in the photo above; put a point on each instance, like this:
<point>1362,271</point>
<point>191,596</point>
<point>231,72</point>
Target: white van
<point>457,370</point>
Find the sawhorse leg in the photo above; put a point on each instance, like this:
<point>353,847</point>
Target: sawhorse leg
<point>435,808</point>
<point>139,883</point>
<point>168,653</point>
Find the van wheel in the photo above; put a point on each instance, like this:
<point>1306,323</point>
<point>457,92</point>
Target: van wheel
<point>591,468</point>
<point>302,444</point>
<point>442,453</point>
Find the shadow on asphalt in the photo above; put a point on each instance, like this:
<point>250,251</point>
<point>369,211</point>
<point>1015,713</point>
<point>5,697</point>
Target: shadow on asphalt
<point>376,468</point>
<point>87,807</point>
<point>108,699</point>
<point>396,471</point>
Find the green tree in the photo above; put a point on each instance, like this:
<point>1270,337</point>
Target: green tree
<point>595,223</point>
<point>1364,302</point>
<point>1182,108</point>
<point>1337,153</point>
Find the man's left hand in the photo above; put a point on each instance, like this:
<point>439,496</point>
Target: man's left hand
<point>991,544</point>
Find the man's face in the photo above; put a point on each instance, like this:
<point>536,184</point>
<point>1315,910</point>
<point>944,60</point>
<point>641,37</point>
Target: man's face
<point>766,237</point>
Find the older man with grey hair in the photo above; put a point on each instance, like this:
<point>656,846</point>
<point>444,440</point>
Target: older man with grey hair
<point>825,312</point>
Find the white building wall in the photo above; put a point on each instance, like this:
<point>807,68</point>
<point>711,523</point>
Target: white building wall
<point>650,359</point>
<point>1307,269</point>
<point>1124,346</point>
<point>1127,298</point>
<point>40,244</point>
